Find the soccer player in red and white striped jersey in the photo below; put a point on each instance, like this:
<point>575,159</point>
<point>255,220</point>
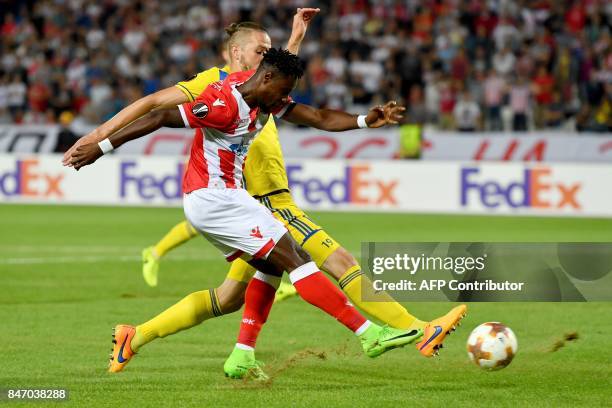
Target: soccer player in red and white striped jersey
<point>228,115</point>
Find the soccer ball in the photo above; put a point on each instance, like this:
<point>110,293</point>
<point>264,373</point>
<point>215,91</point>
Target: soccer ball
<point>492,346</point>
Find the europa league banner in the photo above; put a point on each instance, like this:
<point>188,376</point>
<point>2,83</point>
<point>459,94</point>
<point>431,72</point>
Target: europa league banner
<point>488,272</point>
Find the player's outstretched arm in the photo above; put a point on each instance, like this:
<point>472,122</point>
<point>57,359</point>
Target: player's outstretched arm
<point>301,19</point>
<point>337,121</point>
<point>90,152</point>
<point>167,97</point>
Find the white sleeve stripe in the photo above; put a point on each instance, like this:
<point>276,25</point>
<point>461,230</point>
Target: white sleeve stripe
<point>303,271</point>
<point>184,116</point>
<point>281,112</point>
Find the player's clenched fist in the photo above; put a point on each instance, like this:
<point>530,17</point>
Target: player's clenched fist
<point>85,154</point>
<point>387,114</point>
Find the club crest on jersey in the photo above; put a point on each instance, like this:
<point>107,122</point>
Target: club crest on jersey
<point>239,149</point>
<point>199,110</point>
<point>256,233</point>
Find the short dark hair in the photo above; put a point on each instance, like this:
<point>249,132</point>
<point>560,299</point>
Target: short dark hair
<point>284,62</point>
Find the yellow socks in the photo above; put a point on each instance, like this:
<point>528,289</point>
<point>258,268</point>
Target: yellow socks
<point>179,234</point>
<point>382,306</point>
<point>188,312</point>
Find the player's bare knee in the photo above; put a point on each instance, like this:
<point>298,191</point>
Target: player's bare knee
<point>231,295</point>
<point>231,304</point>
<point>303,255</point>
<point>339,262</point>
<point>287,255</point>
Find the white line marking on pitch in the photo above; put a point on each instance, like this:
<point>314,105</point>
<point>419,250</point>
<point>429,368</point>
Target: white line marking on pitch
<point>96,259</point>
<point>68,248</point>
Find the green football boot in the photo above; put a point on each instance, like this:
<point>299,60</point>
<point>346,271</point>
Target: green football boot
<point>242,364</point>
<point>377,340</point>
<point>284,291</point>
<point>150,266</point>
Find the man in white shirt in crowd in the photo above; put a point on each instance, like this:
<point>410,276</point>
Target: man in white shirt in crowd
<point>467,113</point>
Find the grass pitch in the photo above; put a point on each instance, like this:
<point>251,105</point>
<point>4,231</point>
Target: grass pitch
<point>68,274</point>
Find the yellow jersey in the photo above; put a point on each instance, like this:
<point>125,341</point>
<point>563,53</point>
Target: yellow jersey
<point>264,169</point>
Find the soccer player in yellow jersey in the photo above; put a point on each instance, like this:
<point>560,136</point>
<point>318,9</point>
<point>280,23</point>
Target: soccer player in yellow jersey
<point>266,180</point>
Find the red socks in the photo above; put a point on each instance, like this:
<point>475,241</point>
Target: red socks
<point>317,290</point>
<point>312,286</point>
<point>258,301</point>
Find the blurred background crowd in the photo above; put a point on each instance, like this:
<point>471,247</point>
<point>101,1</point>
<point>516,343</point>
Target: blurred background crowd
<point>458,65</point>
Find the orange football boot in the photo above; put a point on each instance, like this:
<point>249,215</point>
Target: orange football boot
<point>437,330</point>
<point>122,352</point>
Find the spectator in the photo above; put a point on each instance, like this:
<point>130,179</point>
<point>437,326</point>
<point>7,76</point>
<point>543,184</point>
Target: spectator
<point>542,49</point>
<point>554,113</point>
<point>416,112</point>
<point>524,63</point>
<point>432,93</point>
<point>596,115</point>
<point>494,88</point>
<point>335,64</point>
<point>38,98</point>
<point>575,17</point>
<point>447,103</point>
<point>475,85</point>
<point>503,62</point>
<point>65,137</point>
<point>460,66</point>
<point>505,34</point>
<point>5,116</point>
<point>114,50</point>
<point>336,94</point>
<point>16,96</point>
<point>542,90</point>
<point>9,27</point>
<point>520,94</point>
<point>368,71</point>
<point>467,113</point>
<point>302,93</point>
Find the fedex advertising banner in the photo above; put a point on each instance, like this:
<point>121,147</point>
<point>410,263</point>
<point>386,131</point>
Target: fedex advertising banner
<point>330,185</point>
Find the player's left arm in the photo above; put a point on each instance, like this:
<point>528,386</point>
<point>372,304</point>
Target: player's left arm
<point>88,153</point>
<point>337,121</point>
<point>302,18</point>
<point>197,114</point>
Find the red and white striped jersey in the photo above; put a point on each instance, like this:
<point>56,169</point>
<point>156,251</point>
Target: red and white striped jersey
<point>225,127</point>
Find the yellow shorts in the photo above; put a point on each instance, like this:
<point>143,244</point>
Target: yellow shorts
<point>307,234</point>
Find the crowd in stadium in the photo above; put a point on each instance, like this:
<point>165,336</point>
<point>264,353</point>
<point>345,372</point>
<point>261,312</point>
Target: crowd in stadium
<point>458,65</point>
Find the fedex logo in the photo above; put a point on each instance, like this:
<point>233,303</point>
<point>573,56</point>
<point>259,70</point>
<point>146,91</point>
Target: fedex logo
<point>29,181</point>
<point>355,186</point>
<point>536,188</point>
<point>148,185</point>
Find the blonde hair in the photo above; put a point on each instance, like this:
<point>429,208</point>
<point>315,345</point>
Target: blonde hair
<point>238,31</point>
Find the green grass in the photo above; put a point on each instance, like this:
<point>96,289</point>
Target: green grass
<point>68,274</point>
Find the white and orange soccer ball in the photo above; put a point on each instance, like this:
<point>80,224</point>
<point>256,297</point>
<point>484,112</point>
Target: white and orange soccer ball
<point>492,346</point>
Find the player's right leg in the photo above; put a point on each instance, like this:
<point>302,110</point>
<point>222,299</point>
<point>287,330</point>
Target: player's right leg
<point>382,306</point>
<point>317,290</point>
<point>178,235</point>
<point>332,258</point>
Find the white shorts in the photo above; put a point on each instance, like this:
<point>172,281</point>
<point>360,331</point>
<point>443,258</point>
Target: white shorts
<point>234,222</point>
